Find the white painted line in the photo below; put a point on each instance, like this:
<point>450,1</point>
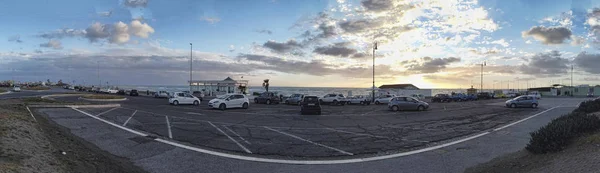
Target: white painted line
<point>306,140</point>
<point>354,133</point>
<point>130,118</point>
<point>113,124</point>
<point>524,119</point>
<point>169,127</point>
<point>230,138</point>
<point>236,134</point>
<point>31,113</point>
<point>194,113</point>
<point>107,111</point>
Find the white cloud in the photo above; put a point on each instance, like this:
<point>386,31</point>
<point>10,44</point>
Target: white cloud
<point>119,34</point>
<point>576,40</point>
<point>501,42</point>
<point>211,20</point>
<point>54,44</point>
<point>141,29</point>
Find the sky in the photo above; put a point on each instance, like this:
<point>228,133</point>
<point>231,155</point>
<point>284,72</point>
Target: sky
<point>312,43</point>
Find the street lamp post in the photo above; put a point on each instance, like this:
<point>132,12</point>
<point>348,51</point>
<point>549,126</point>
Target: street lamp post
<point>99,81</point>
<point>572,94</point>
<point>191,62</point>
<point>482,75</point>
<point>373,88</point>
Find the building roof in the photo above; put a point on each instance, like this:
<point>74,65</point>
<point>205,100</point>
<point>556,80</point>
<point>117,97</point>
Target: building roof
<point>398,86</point>
<point>228,78</point>
<point>541,89</point>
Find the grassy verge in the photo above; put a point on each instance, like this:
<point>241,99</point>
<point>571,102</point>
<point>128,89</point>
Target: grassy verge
<point>2,90</point>
<point>37,88</point>
<point>97,96</point>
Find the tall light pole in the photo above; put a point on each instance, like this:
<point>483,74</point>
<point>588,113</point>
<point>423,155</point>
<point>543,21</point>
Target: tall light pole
<point>373,88</point>
<point>572,94</point>
<point>99,81</point>
<point>191,62</point>
<point>482,75</point>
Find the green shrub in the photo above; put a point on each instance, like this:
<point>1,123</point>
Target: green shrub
<point>589,106</point>
<point>560,132</point>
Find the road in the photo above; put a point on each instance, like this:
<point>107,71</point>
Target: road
<point>349,134</point>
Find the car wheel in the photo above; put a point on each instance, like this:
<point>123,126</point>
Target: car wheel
<point>245,106</point>
<point>420,108</point>
<point>175,102</point>
<point>534,105</point>
<point>287,103</point>
<point>376,102</point>
<point>362,103</point>
<point>298,103</point>
<point>513,105</point>
<point>222,106</point>
<point>255,100</point>
<point>395,108</point>
<point>335,102</point>
<point>268,102</point>
<point>196,103</point>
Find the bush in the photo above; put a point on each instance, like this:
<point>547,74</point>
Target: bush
<point>1,90</point>
<point>38,100</point>
<point>560,132</point>
<point>37,88</point>
<point>255,93</point>
<point>589,106</point>
<point>102,97</point>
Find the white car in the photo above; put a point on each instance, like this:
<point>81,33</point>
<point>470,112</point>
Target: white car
<point>362,100</point>
<point>334,99</point>
<point>385,99</point>
<point>161,94</point>
<point>183,98</point>
<point>536,95</point>
<point>16,89</point>
<point>111,91</point>
<point>229,101</point>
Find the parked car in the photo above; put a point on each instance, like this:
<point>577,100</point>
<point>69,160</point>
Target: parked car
<point>471,97</point>
<point>16,89</point>
<point>512,95</point>
<point>362,100</point>
<point>441,98</point>
<point>590,95</point>
<point>536,95</point>
<point>499,95</point>
<point>418,96</point>
<point>333,99</point>
<point>267,98</point>
<point>111,91</point>
<point>385,99</point>
<point>522,101</point>
<point>183,98</point>
<point>161,94</point>
<point>229,101</point>
<point>294,99</point>
<point>121,92</point>
<point>310,104</point>
<point>459,97</point>
<point>484,95</point>
<point>135,93</point>
<point>407,103</point>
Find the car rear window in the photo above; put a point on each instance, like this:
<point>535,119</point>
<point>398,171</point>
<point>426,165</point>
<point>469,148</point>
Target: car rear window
<point>311,99</point>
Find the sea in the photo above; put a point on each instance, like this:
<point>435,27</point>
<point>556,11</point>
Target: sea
<point>317,91</point>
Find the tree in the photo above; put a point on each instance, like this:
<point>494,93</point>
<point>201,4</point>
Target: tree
<point>266,84</point>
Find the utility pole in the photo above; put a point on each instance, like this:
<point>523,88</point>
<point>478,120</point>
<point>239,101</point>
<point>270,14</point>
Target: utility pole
<point>572,94</point>
<point>99,81</point>
<point>482,76</point>
<point>191,62</point>
<point>373,88</point>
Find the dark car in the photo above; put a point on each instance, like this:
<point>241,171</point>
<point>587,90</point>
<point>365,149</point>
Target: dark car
<point>121,92</point>
<point>441,98</point>
<point>484,95</point>
<point>310,104</point>
<point>268,98</point>
<point>133,93</point>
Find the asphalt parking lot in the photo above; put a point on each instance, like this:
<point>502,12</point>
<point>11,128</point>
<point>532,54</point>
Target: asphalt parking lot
<point>276,131</point>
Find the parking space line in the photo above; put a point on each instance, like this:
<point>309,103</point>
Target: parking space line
<point>236,134</point>
<point>130,117</point>
<point>107,111</point>
<point>169,127</point>
<point>230,138</point>
<point>359,134</point>
<point>306,140</point>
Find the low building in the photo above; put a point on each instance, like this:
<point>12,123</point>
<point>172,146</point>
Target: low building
<point>219,87</point>
<point>562,90</point>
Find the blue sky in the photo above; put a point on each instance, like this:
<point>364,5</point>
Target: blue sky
<point>433,44</point>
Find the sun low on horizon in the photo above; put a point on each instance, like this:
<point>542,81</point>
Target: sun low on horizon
<point>332,43</point>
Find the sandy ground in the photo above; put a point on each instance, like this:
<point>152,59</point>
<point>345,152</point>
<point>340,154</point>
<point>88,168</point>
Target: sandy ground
<point>30,146</point>
<point>582,156</point>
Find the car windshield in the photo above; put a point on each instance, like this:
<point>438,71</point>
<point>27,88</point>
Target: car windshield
<point>223,97</point>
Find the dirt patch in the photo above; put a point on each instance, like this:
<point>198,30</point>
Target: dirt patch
<point>97,96</point>
<point>43,146</point>
<point>582,156</point>
<point>36,88</point>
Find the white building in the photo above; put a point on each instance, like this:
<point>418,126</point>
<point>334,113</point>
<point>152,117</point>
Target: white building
<point>219,87</point>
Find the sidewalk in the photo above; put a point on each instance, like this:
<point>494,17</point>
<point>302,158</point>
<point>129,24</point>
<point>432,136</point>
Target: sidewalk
<point>155,156</point>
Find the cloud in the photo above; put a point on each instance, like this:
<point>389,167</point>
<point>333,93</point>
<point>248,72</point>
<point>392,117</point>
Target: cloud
<point>594,21</point>
<point>62,33</point>
<point>105,13</point>
<point>54,44</point>
<point>16,39</point>
<point>231,48</point>
<point>588,62</point>
<point>211,20</point>
<point>576,40</point>
<point>427,64</point>
<point>120,33</point>
<point>140,29</point>
<point>550,35</point>
<point>135,3</point>
<point>357,26</point>
<point>97,31</point>
<point>377,5</point>
<point>545,65</point>
<point>265,31</point>
<point>338,49</point>
<point>284,47</point>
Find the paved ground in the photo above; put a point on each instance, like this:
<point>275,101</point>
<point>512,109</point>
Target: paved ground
<point>27,93</point>
<point>156,156</point>
<point>279,131</point>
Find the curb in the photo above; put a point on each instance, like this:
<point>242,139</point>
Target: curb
<point>75,106</point>
<point>7,92</point>
<point>103,100</point>
<point>60,95</point>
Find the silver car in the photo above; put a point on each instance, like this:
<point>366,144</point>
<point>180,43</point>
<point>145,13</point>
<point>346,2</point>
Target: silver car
<point>522,101</point>
<point>294,99</point>
<point>407,103</point>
